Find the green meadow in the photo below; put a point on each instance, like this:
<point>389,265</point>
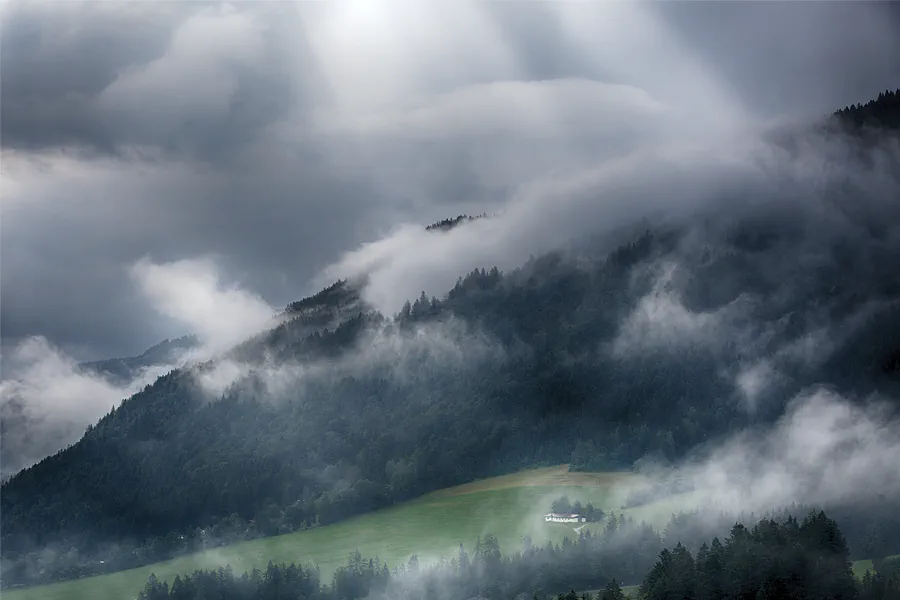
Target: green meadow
<point>509,506</point>
<point>861,566</point>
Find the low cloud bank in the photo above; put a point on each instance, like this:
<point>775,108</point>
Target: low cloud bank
<point>194,293</point>
<point>824,451</point>
<point>46,401</point>
<point>665,179</point>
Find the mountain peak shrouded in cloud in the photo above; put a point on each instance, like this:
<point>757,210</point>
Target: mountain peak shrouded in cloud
<point>689,267</point>
<point>340,294</point>
<point>192,292</point>
<point>176,144</point>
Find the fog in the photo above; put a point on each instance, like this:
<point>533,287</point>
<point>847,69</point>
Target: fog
<point>192,168</point>
<point>192,292</point>
<point>825,451</point>
<point>48,399</point>
<point>407,357</point>
<point>317,128</point>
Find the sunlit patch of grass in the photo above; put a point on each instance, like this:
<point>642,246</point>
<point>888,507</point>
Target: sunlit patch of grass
<point>510,507</point>
<point>861,566</point>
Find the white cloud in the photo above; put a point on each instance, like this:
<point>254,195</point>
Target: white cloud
<point>192,292</point>
<point>543,110</point>
<point>661,322</point>
<point>46,401</point>
<point>824,450</point>
<point>753,380</point>
<point>196,77</point>
<point>403,355</point>
<point>545,211</point>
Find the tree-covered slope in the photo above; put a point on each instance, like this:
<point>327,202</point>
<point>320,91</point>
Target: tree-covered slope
<point>681,336</point>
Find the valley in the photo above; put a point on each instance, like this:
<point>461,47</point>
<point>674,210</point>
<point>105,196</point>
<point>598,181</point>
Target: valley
<point>509,506</point>
<point>430,527</point>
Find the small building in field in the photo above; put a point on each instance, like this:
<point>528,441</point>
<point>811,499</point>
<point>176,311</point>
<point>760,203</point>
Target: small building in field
<point>564,518</point>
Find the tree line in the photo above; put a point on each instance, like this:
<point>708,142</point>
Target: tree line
<point>776,558</point>
<point>882,112</point>
<point>451,223</point>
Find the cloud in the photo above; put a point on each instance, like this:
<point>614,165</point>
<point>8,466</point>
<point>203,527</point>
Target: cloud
<point>660,321</point>
<point>771,324</point>
<point>537,110</point>
<point>46,401</point>
<point>318,127</point>
<point>170,87</point>
<point>545,213</point>
<point>754,380</point>
<point>406,356</point>
<point>192,292</point>
<point>759,50</point>
<point>320,139</point>
<point>193,85</point>
<point>826,450</point>
<point>300,143</point>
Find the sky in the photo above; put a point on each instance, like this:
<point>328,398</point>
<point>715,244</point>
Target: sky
<point>180,167</point>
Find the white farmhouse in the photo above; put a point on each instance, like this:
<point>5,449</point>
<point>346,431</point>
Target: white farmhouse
<point>564,518</point>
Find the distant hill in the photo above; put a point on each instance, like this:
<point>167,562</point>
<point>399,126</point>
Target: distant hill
<point>595,356</point>
<point>120,370</point>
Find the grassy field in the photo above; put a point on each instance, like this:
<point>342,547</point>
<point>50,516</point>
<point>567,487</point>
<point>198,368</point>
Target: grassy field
<point>630,591</point>
<point>861,566</point>
<point>509,506</point>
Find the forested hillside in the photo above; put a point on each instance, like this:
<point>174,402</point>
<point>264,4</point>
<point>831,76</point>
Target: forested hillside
<point>594,359</point>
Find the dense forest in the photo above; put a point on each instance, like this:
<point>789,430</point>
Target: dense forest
<point>341,410</point>
<point>776,558</point>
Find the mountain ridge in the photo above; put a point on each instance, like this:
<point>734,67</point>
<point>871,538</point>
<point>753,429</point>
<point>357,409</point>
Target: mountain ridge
<point>340,409</point>
<point>120,370</point>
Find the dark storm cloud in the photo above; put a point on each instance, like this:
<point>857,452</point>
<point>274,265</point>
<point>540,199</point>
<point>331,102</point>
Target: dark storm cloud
<point>143,130</point>
<point>189,78</point>
<point>277,135</point>
<point>794,58</point>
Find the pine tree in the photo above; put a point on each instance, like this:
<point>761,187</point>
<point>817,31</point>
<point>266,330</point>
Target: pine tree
<point>612,591</point>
